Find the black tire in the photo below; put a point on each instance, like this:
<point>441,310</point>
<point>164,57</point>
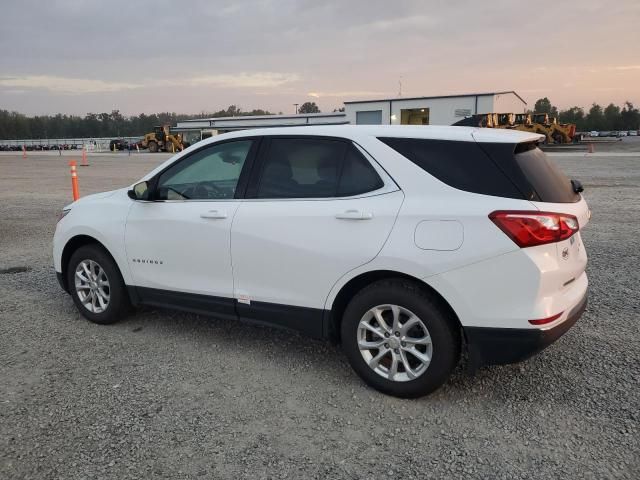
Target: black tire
<point>119,305</point>
<point>443,330</point>
<point>153,147</point>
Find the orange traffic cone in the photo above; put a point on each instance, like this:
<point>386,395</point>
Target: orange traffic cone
<point>84,158</point>
<point>24,151</point>
<point>74,181</point>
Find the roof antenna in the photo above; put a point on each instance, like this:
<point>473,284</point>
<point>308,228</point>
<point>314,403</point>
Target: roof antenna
<point>400,86</point>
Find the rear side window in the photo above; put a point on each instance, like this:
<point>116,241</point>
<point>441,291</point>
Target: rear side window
<point>462,165</point>
<point>315,168</point>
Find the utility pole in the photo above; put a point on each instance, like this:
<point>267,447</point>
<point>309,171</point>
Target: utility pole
<point>296,105</point>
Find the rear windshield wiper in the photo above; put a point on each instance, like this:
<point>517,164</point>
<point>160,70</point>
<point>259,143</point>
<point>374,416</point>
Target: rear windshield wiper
<point>577,186</point>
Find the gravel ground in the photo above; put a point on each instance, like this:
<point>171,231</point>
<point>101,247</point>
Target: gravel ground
<point>173,395</point>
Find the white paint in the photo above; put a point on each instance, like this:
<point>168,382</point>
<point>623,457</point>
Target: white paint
<point>297,251</point>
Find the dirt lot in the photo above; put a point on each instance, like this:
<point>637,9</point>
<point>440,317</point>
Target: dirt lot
<point>172,395</point>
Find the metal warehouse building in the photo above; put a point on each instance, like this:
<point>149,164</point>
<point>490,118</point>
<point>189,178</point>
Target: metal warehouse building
<point>217,125</point>
<point>443,110</point>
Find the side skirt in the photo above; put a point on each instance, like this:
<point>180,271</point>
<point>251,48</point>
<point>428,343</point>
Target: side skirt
<point>309,321</point>
<point>302,319</point>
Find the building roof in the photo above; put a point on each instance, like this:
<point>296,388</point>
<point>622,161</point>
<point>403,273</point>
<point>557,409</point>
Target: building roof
<point>267,117</point>
<point>483,94</point>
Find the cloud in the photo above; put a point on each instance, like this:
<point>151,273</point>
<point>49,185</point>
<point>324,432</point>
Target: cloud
<point>352,93</point>
<point>64,85</point>
<point>393,24</point>
<point>627,67</point>
<point>78,86</point>
<point>240,80</point>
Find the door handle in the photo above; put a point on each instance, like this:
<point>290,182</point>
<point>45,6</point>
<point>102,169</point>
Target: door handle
<point>214,214</point>
<point>354,215</point>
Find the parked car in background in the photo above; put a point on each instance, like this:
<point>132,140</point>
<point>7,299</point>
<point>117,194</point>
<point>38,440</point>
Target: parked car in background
<point>593,133</point>
<point>633,133</point>
<point>118,145</point>
<point>412,246</point>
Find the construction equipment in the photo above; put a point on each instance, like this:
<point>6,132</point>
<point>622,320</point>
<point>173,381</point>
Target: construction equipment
<point>163,139</point>
<point>536,123</point>
<point>563,132</point>
<point>540,123</point>
<point>483,120</point>
<point>505,120</point>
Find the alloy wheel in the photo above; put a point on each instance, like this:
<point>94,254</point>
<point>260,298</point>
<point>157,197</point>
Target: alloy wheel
<point>92,286</point>
<point>394,342</point>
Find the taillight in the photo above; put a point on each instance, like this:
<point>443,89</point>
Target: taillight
<point>530,228</point>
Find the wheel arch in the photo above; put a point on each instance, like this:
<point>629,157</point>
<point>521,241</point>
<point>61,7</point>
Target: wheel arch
<point>73,244</point>
<point>357,283</point>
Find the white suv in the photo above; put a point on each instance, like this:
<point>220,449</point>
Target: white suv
<point>409,245</point>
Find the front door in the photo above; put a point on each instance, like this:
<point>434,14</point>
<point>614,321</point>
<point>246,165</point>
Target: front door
<point>178,244</point>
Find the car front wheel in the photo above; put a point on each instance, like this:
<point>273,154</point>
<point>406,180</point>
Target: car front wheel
<point>399,339</point>
<point>96,285</point>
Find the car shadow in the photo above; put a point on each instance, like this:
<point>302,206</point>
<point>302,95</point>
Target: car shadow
<point>326,360</point>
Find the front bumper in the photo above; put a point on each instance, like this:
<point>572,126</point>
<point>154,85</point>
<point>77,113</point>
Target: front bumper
<point>499,346</point>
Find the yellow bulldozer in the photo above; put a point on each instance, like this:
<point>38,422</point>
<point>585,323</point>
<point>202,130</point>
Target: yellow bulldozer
<point>555,132</point>
<point>541,123</point>
<point>163,139</point>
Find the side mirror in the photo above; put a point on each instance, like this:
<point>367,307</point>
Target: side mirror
<point>140,191</point>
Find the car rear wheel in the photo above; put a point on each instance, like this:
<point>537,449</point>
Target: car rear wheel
<point>96,285</point>
<point>399,340</point>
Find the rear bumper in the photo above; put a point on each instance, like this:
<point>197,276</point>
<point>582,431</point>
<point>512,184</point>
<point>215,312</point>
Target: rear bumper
<point>498,346</point>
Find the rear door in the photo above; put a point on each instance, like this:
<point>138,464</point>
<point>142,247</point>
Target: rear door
<point>318,208</point>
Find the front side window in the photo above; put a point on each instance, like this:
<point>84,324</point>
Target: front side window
<point>315,168</point>
<point>209,174</point>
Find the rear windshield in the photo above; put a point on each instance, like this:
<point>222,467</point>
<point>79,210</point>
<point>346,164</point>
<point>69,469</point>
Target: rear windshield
<point>520,171</point>
<point>544,176</point>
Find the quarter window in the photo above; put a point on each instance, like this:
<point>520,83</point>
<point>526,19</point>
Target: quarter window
<point>358,176</point>
<point>209,174</point>
<point>315,168</point>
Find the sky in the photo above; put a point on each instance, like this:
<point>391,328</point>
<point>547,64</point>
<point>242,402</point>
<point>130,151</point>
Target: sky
<point>192,56</point>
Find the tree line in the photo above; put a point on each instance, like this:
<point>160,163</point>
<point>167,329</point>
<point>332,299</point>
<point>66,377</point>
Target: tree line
<point>611,117</point>
<point>14,125</point>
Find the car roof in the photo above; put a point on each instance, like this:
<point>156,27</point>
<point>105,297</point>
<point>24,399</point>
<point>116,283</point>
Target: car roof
<point>432,132</point>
